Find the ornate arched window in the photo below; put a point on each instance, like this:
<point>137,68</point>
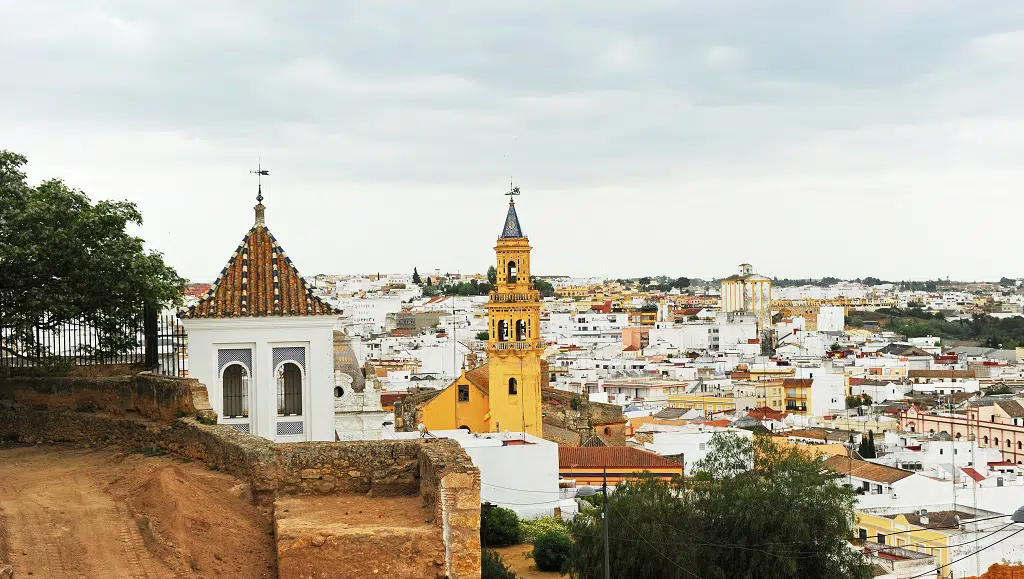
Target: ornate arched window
<point>502,330</point>
<point>289,389</point>
<point>512,272</point>
<point>984,439</point>
<point>513,386</point>
<point>520,330</point>
<point>235,387</point>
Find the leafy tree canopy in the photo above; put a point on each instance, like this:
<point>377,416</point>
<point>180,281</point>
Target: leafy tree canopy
<point>63,257</point>
<point>756,510</point>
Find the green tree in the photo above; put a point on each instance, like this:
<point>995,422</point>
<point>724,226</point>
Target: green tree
<point>757,510</point>
<point>492,276</point>
<point>492,567</point>
<point>681,283</point>
<point>483,336</point>
<point>544,287</point>
<point>867,446</point>
<point>416,276</point>
<point>499,527</point>
<point>63,257</point>
<point>552,550</point>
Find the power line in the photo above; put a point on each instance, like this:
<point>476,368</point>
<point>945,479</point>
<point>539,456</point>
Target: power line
<point>664,556</point>
<point>932,571</point>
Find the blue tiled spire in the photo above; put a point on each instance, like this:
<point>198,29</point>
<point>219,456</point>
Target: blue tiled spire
<point>512,228</point>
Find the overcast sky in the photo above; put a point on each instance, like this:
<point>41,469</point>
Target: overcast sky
<point>809,138</point>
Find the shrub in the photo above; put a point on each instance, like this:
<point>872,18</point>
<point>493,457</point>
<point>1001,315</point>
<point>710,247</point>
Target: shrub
<point>492,567</point>
<point>552,551</point>
<point>533,528</point>
<point>499,527</point>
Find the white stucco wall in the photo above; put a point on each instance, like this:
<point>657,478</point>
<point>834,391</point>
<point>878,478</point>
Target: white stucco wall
<point>261,336</point>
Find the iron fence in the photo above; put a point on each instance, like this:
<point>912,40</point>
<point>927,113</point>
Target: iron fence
<point>158,343</point>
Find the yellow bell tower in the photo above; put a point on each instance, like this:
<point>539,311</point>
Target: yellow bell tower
<point>514,347</point>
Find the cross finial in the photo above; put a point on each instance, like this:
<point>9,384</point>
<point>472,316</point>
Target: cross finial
<point>259,172</point>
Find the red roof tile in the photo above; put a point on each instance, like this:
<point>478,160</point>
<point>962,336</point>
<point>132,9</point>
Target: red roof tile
<point>259,280</point>
<point>611,457</point>
<point>973,474</point>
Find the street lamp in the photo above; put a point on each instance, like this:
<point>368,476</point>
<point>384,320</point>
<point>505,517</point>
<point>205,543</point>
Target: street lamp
<point>589,491</point>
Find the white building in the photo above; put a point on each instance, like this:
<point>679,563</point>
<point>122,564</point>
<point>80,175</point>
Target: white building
<point>262,343</point>
<point>518,471</point>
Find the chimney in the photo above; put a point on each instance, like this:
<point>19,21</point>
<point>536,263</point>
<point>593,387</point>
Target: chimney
<point>260,214</point>
<point>924,517</point>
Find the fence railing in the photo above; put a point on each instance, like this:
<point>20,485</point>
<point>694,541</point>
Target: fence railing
<point>157,343</point>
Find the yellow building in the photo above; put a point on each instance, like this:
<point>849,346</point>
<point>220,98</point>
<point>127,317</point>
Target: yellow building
<point>503,394</point>
<point>906,530</point>
<point>711,403</point>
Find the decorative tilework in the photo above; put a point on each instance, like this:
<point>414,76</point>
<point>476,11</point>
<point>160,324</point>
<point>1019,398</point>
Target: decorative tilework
<point>259,280</point>
<point>241,427</point>
<point>512,229</point>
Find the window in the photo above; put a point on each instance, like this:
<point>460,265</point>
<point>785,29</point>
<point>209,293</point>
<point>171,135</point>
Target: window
<point>520,330</point>
<point>511,272</point>
<point>863,534</point>
<point>513,386</point>
<point>235,382</point>
<point>984,439</point>
<point>339,391</point>
<point>881,538</point>
<point>702,446</point>
<point>289,390</point>
<point>463,392</point>
<point>502,330</point>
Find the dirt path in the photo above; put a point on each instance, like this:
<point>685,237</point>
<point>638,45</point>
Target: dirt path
<point>98,513</point>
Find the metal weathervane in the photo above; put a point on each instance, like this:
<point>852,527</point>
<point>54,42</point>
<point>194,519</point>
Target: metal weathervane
<point>260,172</point>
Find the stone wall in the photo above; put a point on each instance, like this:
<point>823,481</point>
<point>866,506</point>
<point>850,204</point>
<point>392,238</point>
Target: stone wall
<point>383,468</point>
<point>451,485</point>
<point>140,412</point>
<point>155,397</point>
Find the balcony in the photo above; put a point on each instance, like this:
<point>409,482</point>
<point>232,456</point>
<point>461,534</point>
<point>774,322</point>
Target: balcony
<point>523,345</point>
<point>503,298</point>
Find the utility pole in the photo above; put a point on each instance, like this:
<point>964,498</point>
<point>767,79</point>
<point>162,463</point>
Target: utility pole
<point>607,559</point>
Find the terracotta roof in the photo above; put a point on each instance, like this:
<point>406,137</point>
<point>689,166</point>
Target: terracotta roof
<point>866,470</point>
<point>481,378</point>
<point>259,280</point>
<point>612,457</point>
<point>1011,407</point>
<point>940,373</point>
<point>973,474</point>
<point>805,382</point>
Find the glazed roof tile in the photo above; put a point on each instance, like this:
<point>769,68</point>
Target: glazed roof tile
<point>259,280</point>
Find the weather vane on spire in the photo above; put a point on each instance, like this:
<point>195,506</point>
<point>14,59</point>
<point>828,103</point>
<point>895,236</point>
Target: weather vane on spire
<point>259,172</point>
<point>512,192</point>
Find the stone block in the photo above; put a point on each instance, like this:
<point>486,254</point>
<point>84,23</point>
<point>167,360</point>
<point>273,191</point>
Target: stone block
<point>310,473</point>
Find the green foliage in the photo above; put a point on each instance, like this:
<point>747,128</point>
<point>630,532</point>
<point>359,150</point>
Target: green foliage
<point>483,336</point>
<point>492,275</point>
<point>867,446</point>
<point>998,389</point>
<point>552,551</point>
<point>915,322</point>
<point>416,276</point>
<point>544,287</point>
<point>856,401</point>
<point>533,528</point>
<point>470,288</point>
<point>492,567</point>
<point>576,402</point>
<point>63,257</point>
<point>759,511</point>
<point>499,527</point>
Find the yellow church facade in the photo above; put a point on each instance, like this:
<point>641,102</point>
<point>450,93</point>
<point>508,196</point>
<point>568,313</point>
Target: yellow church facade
<point>504,394</point>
